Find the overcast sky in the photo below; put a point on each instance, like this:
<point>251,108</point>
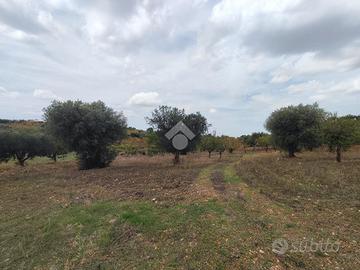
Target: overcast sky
<point>235,61</point>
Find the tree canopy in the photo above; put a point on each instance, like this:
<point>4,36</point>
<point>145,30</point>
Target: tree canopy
<point>165,118</point>
<point>22,145</point>
<point>296,127</point>
<point>208,144</point>
<point>89,129</point>
<point>339,134</point>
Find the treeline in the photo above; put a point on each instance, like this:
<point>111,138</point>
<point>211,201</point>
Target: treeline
<point>23,140</point>
<point>295,128</point>
<point>97,134</point>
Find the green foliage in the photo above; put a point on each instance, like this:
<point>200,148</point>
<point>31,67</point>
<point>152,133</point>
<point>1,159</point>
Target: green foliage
<point>339,134</point>
<point>211,144</point>
<point>220,145</point>
<point>153,144</point>
<point>251,140</point>
<point>164,118</point>
<point>264,140</point>
<point>132,146</point>
<point>231,143</point>
<point>89,129</point>
<point>296,127</point>
<point>5,143</point>
<point>21,145</point>
<point>53,147</point>
<point>356,121</point>
<point>135,133</point>
<point>208,143</point>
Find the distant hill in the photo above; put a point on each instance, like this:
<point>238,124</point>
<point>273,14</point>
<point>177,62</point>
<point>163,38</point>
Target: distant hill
<point>7,123</point>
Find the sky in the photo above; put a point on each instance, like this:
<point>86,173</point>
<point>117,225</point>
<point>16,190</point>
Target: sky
<point>235,61</point>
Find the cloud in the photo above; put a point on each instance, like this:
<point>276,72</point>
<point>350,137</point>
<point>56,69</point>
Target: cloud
<point>45,94</point>
<point>212,110</point>
<point>241,58</point>
<point>10,94</point>
<point>318,91</point>
<point>317,98</point>
<point>146,99</point>
<point>309,26</point>
<point>311,86</point>
<point>323,35</point>
<point>21,15</point>
<point>309,64</point>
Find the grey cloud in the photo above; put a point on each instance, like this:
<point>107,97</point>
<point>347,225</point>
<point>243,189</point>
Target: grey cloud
<point>101,50</point>
<point>118,8</point>
<point>328,33</point>
<point>20,17</point>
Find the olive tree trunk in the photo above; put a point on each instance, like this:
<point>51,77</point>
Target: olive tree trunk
<point>338,153</point>
<point>177,157</point>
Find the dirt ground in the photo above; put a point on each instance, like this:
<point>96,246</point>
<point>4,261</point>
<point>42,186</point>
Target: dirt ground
<point>145,213</point>
<point>128,178</point>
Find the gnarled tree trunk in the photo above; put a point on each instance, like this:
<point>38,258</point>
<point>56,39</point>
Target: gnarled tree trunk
<point>291,152</point>
<point>338,153</point>
<point>21,158</point>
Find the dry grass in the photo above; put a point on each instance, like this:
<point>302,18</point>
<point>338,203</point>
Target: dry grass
<point>145,213</point>
<point>318,198</point>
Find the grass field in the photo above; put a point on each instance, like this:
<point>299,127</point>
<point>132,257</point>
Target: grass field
<point>145,213</point>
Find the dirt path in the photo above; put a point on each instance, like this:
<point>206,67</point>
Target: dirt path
<point>222,182</point>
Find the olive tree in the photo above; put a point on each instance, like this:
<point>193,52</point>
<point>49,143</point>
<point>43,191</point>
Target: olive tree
<point>220,146</point>
<point>208,144</point>
<point>89,129</point>
<point>5,142</point>
<point>21,145</point>
<point>264,141</point>
<point>164,118</point>
<point>53,148</point>
<point>339,134</point>
<point>296,127</point>
<point>231,143</point>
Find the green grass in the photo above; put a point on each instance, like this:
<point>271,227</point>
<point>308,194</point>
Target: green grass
<point>114,235</point>
<point>39,160</point>
<point>230,175</point>
<point>70,234</point>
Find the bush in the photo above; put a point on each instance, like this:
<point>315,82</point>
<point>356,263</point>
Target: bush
<point>89,129</point>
